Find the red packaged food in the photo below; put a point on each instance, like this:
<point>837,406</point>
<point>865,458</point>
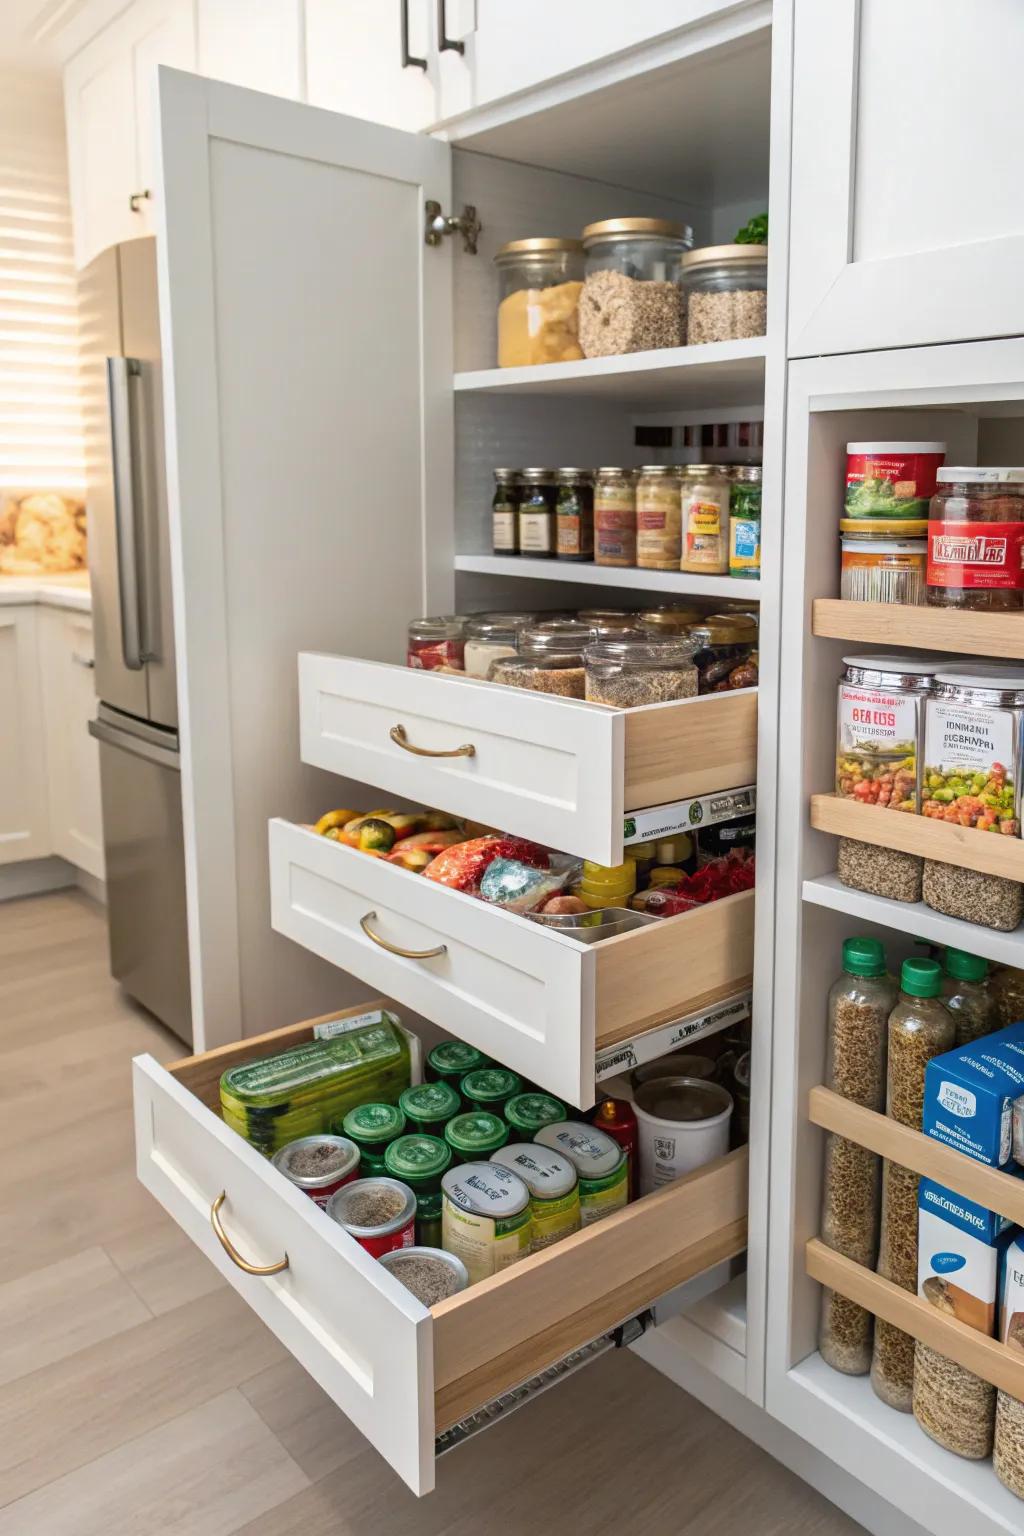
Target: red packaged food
<point>463,866</point>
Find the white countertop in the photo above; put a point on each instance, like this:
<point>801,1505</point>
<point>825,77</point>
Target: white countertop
<point>70,590</point>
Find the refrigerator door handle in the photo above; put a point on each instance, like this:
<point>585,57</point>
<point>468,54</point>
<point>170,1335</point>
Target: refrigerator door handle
<point>121,371</point>
<point>164,757</point>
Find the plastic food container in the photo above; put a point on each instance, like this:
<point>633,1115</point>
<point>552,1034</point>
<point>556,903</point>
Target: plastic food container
<point>379,1213</point>
<point>474,1135</point>
<point>726,294</point>
<point>527,1112</point>
<point>450,1061</point>
<point>600,1162</point>
<point>631,299</point>
<point>891,479</point>
<point>505,512</point>
<point>574,514</point>
<point>485,1218</point>
<point>539,284</point>
<point>320,1165</point>
<point>682,1123</point>
<point>558,674</point>
<point>879,719</point>
<point>658,518</point>
<point>420,1160</point>
<point>604,885</point>
<point>976,540</point>
<point>554,1190</point>
<point>429,1106</point>
<point>490,636</point>
<point>592,927</point>
<point>429,1273</point>
<point>615,517</point>
<point>437,642</point>
<point>704,514</point>
<point>883,560</point>
<point>372,1127</point>
<point>628,673</point>
<point>538,497</point>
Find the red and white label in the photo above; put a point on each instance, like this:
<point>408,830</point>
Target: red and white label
<point>976,555</point>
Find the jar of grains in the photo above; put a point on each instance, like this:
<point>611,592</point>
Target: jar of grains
<point>505,512</point>
<point>538,495</point>
<point>615,517</point>
<point>859,1005</point>
<point>745,521</point>
<point>971,777</point>
<point>920,1027</point>
<point>574,514</point>
<point>658,538</point>
<point>954,1407</point>
<point>670,620</point>
<point>883,560</point>
<point>726,644</point>
<point>966,994</point>
<point>558,672</point>
<point>1008,1448</point>
<point>626,673</point>
<point>976,539</point>
<point>1006,988</point>
<point>491,635</point>
<point>539,284</point>
<point>607,622</point>
<point>437,643</point>
<point>704,519</point>
<point>631,300</point>
<point>726,295</point>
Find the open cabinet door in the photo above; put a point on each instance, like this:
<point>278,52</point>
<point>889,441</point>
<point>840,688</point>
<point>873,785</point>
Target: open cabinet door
<point>307,338</point>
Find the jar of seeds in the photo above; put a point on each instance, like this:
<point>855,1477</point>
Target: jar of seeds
<point>658,518</point>
<point>966,994</point>
<point>631,300</point>
<point>1006,988</point>
<point>1008,1448</point>
<point>615,517</point>
<point>859,1005</point>
<point>726,292</point>
<point>627,673</point>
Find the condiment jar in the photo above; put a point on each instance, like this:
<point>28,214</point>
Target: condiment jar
<point>539,282</point>
<point>450,1061</point>
<point>490,1088</point>
<point>505,512</point>
<point>704,514</point>
<point>883,560</point>
<point>490,635</point>
<point>372,1127</point>
<point>726,292</point>
<point>538,494</point>
<point>338,1158</point>
<point>631,298</point>
<point>420,1160</point>
<point>976,539</point>
<point>486,1217</point>
<point>527,1112</point>
<point>745,521</point>
<point>475,1135</point>
<point>600,1162</point>
<point>554,1190</point>
<point>615,517</point>
<point>965,993</point>
<point>574,514</point>
<point>379,1213</point>
<point>428,1107</point>
<point>437,642</point>
<point>629,673</point>
<point>658,535</point>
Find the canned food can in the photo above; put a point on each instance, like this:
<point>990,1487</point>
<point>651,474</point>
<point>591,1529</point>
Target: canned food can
<point>600,1162</point>
<point>485,1218</point>
<point>320,1165</point>
<point>379,1213</point>
<point>554,1190</point>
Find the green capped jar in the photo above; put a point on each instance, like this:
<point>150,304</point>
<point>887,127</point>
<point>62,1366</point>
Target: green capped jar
<point>554,1190</point>
<point>372,1127</point>
<point>429,1106</point>
<point>527,1112</point>
<point>600,1162</point>
<point>421,1161</point>
<point>490,1088</point>
<point>451,1060</point>
<point>473,1136</point>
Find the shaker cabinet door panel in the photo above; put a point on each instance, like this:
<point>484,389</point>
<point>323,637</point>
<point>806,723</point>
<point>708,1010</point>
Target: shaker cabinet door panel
<point>24,813</point>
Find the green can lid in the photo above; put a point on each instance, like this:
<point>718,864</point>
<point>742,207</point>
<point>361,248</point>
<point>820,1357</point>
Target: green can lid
<point>373,1123</point>
<point>416,1157</point>
<point>863,957</point>
<point>477,1133</point>
<point>455,1056</point>
<point>430,1101</point>
<point>529,1111</point>
<point>965,967</point>
<point>921,978</point>
<point>491,1085</point>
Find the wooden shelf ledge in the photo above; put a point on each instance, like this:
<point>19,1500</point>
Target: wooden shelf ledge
<point>927,629</point>
<point>988,852</point>
<point>997,1363</point>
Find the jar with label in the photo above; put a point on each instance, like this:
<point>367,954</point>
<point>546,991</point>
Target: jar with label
<point>879,721</point>
<point>372,1127</point>
<point>527,1112</point>
<point>725,648</point>
<point>421,1160</point>
<point>976,540</point>
<point>883,560</point>
<point>538,494</point>
<point>490,636</point>
<point>428,1107</point>
<point>615,517</point>
<point>473,1136</point>
<point>491,1088</point>
<point>485,1218</point>
<point>600,1162</point>
<point>554,1191</point>
<point>437,643</point>
<point>574,514</point>
<point>505,512</point>
<point>658,526</point>
<point>705,520</point>
<point>890,479</point>
<point>539,282</point>
<point>745,521</point>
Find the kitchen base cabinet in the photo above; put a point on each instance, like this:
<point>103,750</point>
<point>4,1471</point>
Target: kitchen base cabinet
<point>24,800</point>
<point>66,671</point>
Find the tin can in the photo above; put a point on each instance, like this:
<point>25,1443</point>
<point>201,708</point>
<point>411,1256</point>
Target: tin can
<point>429,1106</point>
<point>447,1267</point>
<point>379,1213</point>
<point>616,1118</point>
<point>527,1112</point>
<point>371,1127</point>
<point>683,1122</point>
<point>420,1161</point>
<point>449,1062</point>
<point>337,1157</point>
<point>600,1162</point>
<point>485,1218</point>
<point>554,1190</point>
<point>475,1135</point>
<point>490,1088</point>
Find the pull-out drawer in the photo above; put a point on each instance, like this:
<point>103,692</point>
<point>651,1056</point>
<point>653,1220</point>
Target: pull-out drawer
<point>534,999</point>
<point>403,1373</point>
<point>558,770</point>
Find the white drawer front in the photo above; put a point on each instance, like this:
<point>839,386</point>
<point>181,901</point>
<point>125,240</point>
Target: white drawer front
<point>551,769</point>
<point>355,1329</point>
<point>513,989</point>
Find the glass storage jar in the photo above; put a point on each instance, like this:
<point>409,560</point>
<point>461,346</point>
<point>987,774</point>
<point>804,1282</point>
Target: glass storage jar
<point>745,521</point>
<point>615,517</point>
<point>604,621</point>
<point>726,297</point>
<point>976,539</point>
<point>491,635</point>
<point>559,672</point>
<point>631,300</point>
<point>672,619</point>
<point>505,512</point>
<point>626,673</point>
<point>658,528</point>
<point>574,514</point>
<point>539,284</point>
<point>538,494</point>
<point>437,642</point>
<point>879,721</point>
<point>704,517</point>
<point>726,646</point>
<point>883,560</point>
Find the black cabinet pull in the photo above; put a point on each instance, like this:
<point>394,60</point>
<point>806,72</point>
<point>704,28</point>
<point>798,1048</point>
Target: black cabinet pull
<point>408,58</point>
<point>444,42</point>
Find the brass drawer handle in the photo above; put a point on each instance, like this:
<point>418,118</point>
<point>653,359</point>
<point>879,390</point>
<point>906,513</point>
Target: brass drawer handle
<point>393,949</point>
<point>230,1249</point>
<point>398,736</point>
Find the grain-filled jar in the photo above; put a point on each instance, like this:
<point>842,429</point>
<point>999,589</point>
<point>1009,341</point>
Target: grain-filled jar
<point>658,526</point>
<point>490,636</point>
<point>976,539</point>
<point>599,1161</point>
<point>574,514</point>
<point>420,1160</point>
<point>539,282</point>
<point>704,514</point>
<point>538,495</point>
<point>615,517</point>
<point>558,673</point>
<point>627,673</point>
<point>883,560</point>
<point>726,292</point>
<point>437,642</point>
<point>745,483</point>
<point>724,655</point>
<point>631,299</point>
<point>604,620</point>
<point>505,512</point>
<point>485,1218</point>
<point>554,1190</point>
<point>879,723</point>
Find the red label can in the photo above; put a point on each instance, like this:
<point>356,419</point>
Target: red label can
<point>379,1213</point>
<point>318,1165</point>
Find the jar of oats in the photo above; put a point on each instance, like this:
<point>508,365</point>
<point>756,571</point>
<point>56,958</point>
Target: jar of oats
<point>628,673</point>
<point>658,518</point>
<point>631,300</point>
<point>726,292</point>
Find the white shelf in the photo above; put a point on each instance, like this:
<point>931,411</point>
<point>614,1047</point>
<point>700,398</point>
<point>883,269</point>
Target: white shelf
<point>609,576</point>
<point>916,919</point>
<point>718,373</point>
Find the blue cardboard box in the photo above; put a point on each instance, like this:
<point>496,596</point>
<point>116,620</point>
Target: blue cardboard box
<point>960,1249</point>
<point>969,1094</point>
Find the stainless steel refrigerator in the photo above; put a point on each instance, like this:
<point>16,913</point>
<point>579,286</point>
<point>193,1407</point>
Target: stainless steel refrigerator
<point>129,566</point>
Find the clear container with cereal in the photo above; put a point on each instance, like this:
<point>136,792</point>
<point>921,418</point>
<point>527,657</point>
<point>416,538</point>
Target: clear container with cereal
<point>631,300</point>
<point>726,292</point>
<point>539,283</point>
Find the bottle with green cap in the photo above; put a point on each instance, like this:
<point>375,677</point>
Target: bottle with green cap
<point>527,1112</point>
<point>372,1127</point>
<point>421,1161</point>
<point>429,1106</point>
<point>474,1135</point>
<point>449,1062</point>
<point>490,1088</point>
<point>966,994</point>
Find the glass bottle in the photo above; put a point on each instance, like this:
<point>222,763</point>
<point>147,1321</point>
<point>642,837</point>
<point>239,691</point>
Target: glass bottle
<point>704,514</point>
<point>745,522</point>
<point>658,529</point>
<point>537,497</point>
<point>615,517</point>
<point>974,539</point>
<point>505,512</point>
<point>574,514</point>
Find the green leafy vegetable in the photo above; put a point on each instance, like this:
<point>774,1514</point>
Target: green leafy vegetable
<point>754,232</point>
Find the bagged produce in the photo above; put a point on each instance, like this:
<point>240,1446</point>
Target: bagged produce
<point>462,867</point>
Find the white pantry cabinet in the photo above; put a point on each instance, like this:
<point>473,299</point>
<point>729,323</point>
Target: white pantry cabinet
<point>259,45</point>
<point>355,58</point>
<point>24,804</point>
<point>66,673</point>
<point>907,221</point>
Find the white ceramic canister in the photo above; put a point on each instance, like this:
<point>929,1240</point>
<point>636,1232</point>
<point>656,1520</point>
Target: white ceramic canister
<point>682,1123</point>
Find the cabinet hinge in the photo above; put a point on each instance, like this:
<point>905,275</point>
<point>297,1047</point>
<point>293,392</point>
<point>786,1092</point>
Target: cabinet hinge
<point>439,224</point>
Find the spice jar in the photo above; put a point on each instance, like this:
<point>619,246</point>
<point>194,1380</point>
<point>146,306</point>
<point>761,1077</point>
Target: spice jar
<point>965,993</point>
<point>976,539</point>
<point>372,1127</point>
<point>475,1135</point>
<point>627,673</point>
<point>538,495</point>
<point>505,512</point>
<point>883,560</point>
<point>318,1164</point>
<point>491,635</point>
<point>420,1160</point>
<point>920,1027</point>
<point>658,526</point>
<point>539,284</point>
<point>450,1060</point>
<point>574,514</point>
<point>490,1088</point>
<point>615,517</point>
<point>437,643</point>
<point>745,521</point>
<point>725,645</point>
<point>704,519</point>
<point>429,1273</point>
<point>379,1213</point>
<point>631,297</point>
<point>726,292</point>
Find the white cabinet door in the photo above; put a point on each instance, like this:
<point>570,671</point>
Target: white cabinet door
<point>66,669</point>
<point>260,46</point>
<point>354,60</point>
<point>24,815</point>
<point>161,32</point>
<point>907,225</point>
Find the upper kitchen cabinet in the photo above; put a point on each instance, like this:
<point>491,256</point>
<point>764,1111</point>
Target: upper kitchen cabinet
<point>372,59</point>
<point>256,45</point>
<point>907,224</point>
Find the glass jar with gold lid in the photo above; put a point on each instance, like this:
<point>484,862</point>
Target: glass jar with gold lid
<point>631,299</point>
<point>539,282</point>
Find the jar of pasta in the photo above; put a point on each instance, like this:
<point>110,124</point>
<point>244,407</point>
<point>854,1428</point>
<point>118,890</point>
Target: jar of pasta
<point>658,539</point>
<point>615,517</point>
<point>704,511</point>
<point>539,284</point>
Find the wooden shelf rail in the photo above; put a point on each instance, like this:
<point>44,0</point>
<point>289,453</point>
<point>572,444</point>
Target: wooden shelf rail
<point>988,852</point>
<point>930,629</point>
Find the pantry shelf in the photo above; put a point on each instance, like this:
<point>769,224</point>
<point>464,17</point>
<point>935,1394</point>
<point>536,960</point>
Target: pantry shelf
<point>964,846</point>
<point>717,373</point>
<point>917,919</point>
<point>928,629</point>
<point>610,576</point>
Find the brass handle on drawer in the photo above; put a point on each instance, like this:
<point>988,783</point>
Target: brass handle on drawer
<point>393,949</point>
<point>398,736</point>
<point>230,1249</point>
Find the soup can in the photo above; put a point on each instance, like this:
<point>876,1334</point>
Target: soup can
<point>485,1218</point>
<point>320,1165</point>
<point>554,1190</point>
<point>379,1213</point>
<point>682,1123</point>
<point>600,1162</point>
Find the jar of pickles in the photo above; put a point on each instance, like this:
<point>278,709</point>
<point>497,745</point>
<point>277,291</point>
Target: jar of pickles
<point>658,528</point>
<point>505,512</point>
<point>538,494</point>
<point>574,514</point>
<point>615,517</point>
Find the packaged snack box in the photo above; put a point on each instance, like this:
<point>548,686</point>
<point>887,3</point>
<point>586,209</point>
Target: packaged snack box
<point>969,1096</point>
<point>960,1248</point>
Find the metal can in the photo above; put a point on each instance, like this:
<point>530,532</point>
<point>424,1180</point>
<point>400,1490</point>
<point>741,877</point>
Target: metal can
<point>429,1106</point>
<point>554,1190</point>
<point>475,1135</point>
<point>449,1062</point>
<point>485,1218</point>
<point>429,1273</point>
<point>490,1088</point>
<point>379,1213</point>
<point>616,1118</point>
<point>371,1127</point>
<point>326,1163</point>
<point>600,1162</point>
<point>420,1161</point>
<point>527,1112</point>
<point>683,1122</point>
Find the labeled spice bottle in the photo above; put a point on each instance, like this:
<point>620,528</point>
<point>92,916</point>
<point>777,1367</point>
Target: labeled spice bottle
<point>976,540</point>
<point>745,522</point>
<point>631,300</point>
<point>883,560</point>
<point>505,512</point>
<point>539,282</point>
<point>372,1127</point>
<point>449,1062</point>
<point>726,292</point>
<point>966,994</point>
<point>859,1005</point>
<point>920,1027</point>
<point>538,494</point>
<point>421,1160</point>
<point>615,517</point>
<point>437,642</point>
<point>574,514</point>
<point>485,1218</point>
<point>704,514</point>
<point>628,673</point>
<point>658,527</point>
<point>725,649</point>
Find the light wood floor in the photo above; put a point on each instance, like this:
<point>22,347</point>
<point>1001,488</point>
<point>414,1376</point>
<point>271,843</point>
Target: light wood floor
<point>140,1397</point>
